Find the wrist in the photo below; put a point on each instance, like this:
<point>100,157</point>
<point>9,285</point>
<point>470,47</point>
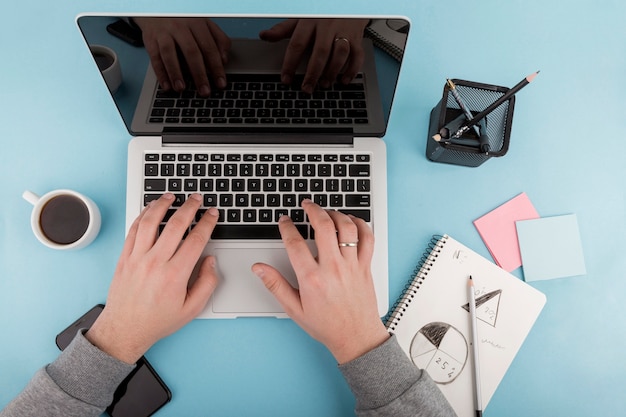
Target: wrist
<point>359,346</point>
<point>111,341</point>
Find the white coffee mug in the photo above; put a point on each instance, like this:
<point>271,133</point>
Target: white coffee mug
<point>109,65</point>
<point>64,219</point>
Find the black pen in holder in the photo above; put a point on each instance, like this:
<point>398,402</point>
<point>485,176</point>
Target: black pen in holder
<point>473,146</point>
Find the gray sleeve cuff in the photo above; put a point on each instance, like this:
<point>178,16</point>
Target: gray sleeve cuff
<point>386,383</point>
<point>380,375</point>
<point>87,373</point>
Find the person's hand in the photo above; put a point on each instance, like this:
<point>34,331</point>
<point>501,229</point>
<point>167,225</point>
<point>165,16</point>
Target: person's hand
<point>335,302</point>
<point>337,48</point>
<point>150,296</point>
<point>201,42</point>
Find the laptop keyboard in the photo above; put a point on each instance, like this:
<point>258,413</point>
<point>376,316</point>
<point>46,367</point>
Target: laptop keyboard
<point>261,99</point>
<point>253,190</point>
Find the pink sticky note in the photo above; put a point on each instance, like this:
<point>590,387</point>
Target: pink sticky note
<point>497,229</point>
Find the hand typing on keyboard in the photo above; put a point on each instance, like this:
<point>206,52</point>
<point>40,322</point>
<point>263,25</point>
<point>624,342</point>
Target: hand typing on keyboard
<point>149,297</point>
<point>335,302</point>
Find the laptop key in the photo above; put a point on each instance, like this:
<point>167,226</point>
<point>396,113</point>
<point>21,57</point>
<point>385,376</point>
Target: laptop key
<point>249,216</point>
<point>149,197</point>
<point>252,231</point>
<point>363,214</point>
<point>191,184</point>
<point>265,215</point>
<point>357,200</point>
<point>163,103</point>
<point>179,199</point>
<point>151,170</point>
<point>167,170</point>
<point>154,185</point>
<point>174,184</point>
<point>199,170</point>
<point>233,215</point>
<point>359,170</point>
<point>278,213</point>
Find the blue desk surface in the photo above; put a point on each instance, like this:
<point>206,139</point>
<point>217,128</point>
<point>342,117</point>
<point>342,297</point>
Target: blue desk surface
<point>60,129</point>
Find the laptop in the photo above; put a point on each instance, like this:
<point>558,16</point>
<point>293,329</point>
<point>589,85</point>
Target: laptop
<point>256,147</point>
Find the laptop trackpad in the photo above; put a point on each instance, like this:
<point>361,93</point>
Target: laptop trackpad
<point>239,289</point>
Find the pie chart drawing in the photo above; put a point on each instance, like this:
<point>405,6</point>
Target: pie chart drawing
<point>441,350</point>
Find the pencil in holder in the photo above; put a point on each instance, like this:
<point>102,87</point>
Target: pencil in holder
<point>476,145</point>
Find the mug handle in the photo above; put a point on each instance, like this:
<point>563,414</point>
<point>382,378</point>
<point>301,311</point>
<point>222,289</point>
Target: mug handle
<point>31,197</point>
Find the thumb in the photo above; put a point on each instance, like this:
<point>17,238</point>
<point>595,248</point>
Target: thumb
<point>202,289</point>
<point>287,296</point>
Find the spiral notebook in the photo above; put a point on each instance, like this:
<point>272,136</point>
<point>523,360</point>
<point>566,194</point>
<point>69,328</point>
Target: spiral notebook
<point>432,324</point>
<point>389,35</point>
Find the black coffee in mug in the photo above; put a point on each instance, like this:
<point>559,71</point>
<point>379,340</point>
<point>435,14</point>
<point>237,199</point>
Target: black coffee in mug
<point>64,219</point>
<point>103,60</point>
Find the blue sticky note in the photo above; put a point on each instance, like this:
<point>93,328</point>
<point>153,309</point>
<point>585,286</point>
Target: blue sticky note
<point>550,247</point>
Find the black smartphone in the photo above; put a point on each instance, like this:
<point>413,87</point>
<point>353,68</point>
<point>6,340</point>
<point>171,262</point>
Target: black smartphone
<point>141,394</point>
<point>126,32</point>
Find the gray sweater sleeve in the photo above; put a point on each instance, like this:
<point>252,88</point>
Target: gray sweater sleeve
<point>80,382</point>
<point>386,383</point>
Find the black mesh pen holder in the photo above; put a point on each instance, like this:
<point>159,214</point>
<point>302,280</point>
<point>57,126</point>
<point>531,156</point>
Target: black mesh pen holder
<point>447,116</point>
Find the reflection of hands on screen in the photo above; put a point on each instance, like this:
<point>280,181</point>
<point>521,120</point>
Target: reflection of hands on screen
<point>201,42</point>
<point>337,48</point>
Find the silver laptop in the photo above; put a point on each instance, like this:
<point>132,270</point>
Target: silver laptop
<point>256,147</point>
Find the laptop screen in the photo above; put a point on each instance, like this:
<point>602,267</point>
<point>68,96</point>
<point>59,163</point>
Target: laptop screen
<point>227,74</point>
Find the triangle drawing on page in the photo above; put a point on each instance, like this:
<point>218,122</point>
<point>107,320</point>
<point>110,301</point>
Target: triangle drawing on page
<point>487,307</point>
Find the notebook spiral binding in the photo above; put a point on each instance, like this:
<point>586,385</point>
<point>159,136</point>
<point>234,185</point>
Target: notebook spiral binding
<point>385,44</point>
<point>420,273</point>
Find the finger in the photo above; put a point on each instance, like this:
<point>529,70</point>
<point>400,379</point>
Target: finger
<point>195,242</point>
<point>355,62</point>
<point>347,234</point>
<point>199,67</point>
<point>223,45</point>
<point>206,58</point>
<point>177,226</point>
<point>160,71</point>
<point>129,243</point>
<point>366,241</point>
<point>222,40</point>
<point>337,60</point>
<point>318,60</point>
<point>325,231</point>
<point>148,227</point>
<point>188,43</point>
<point>169,57</point>
<point>287,296</point>
<point>201,290</point>
<point>214,64</point>
<point>300,39</point>
<point>297,250</point>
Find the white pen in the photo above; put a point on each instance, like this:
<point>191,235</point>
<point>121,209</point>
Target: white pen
<point>472,310</point>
